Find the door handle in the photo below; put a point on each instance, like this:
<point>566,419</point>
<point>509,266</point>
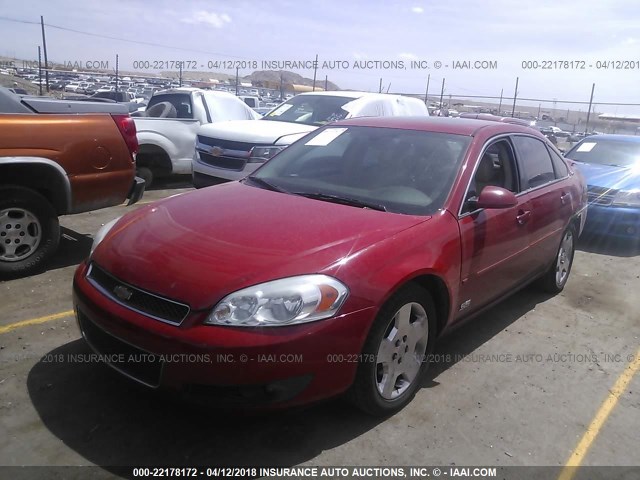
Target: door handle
<point>564,198</point>
<point>523,216</point>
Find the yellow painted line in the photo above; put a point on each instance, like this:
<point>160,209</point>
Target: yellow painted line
<point>577,456</point>
<point>35,321</point>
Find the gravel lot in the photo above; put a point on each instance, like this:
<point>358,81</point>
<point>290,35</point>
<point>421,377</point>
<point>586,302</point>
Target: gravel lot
<point>517,386</point>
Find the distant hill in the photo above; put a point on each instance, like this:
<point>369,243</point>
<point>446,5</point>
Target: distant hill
<point>271,77</point>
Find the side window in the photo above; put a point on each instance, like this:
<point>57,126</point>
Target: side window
<point>558,165</point>
<point>535,163</point>
<point>496,167</point>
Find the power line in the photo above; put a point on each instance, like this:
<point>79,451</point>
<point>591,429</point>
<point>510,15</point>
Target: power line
<point>109,37</point>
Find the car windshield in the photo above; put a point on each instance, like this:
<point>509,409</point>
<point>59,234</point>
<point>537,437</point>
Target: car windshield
<point>311,109</point>
<point>400,171</point>
<point>606,152</point>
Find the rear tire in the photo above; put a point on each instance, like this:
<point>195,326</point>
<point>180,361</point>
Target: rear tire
<point>395,354</point>
<point>29,231</point>
<point>147,174</point>
<point>555,279</point>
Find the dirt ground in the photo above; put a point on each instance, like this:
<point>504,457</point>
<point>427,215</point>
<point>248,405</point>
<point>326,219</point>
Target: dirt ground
<point>517,386</point>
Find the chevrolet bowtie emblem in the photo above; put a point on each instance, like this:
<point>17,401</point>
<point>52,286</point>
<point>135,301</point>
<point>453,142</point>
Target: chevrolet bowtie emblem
<point>216,151</point>
<point>122,292</point>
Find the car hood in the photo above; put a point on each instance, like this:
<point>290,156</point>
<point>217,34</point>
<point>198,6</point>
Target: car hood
<point>257,132</point>
<point>607,176</point>
<point>199,247</point>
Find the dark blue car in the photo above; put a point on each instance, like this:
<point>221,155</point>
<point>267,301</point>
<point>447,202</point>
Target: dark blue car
<point>611,167</point>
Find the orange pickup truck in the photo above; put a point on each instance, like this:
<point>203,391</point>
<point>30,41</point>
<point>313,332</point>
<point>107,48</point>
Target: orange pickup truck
<point>58,158</point>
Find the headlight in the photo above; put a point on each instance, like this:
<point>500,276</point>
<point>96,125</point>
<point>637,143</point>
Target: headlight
<point>102,233</point>
<point>288,301</point>
<point>262,154</point>
<point>627,198</point>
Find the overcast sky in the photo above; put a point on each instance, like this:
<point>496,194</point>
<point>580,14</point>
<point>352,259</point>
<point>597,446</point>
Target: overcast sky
<point>508,32</point>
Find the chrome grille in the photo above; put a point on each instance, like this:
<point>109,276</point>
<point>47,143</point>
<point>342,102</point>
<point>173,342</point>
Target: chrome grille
<point>223,161</point>
<point>225,144</point>
<point>136,299</point>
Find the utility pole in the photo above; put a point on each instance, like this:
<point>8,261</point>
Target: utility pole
<point>515,94</point>
<point>39,70</point>
<point>315,71</point>
<point>180,77</point>
<point>380,86</point>
<point>500,106</point>
<point>117,79</point>
<point>426,92</point>
<point>237,70</point>
<point>441,95</point>
<point>44,47</point>
<point>586,127</point>
<point>326,82</point>
<point>539,107</point>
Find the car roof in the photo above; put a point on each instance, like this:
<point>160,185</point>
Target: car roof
<point>612,137</point>
<point>338,93</point>
<point>459,126</point>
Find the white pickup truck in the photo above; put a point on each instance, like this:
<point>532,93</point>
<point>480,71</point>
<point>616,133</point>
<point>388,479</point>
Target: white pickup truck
<point>232,150</point>
<point>167,128</point>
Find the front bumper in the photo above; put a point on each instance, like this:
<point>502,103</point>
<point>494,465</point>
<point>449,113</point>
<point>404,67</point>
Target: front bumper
<point>136,191</point>
<point>237,367</point>
<point>622,222</point>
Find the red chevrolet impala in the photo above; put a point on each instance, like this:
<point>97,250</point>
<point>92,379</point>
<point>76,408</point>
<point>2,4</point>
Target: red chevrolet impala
<point>335,266</point>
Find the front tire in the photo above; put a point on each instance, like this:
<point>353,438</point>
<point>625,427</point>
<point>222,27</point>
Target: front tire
<point>394,357</point>
<point>29,231</point>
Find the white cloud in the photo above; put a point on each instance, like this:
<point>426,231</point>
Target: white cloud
<point>210,18</point>
<point>417,10</point>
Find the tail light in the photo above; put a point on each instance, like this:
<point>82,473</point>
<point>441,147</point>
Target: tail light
<point>127,128</point>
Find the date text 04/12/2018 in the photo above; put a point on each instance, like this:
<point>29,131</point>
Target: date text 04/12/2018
<point>414,64</point>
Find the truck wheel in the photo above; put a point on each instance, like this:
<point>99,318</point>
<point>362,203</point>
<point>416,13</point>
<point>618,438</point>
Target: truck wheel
<point>146,174</point>
<point>395,354</point>
<point>29,231</point>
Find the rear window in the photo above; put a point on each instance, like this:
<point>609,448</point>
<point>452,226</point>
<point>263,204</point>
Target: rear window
<point>180,101</point>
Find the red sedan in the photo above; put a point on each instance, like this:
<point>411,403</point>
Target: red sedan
<point>335,266</point>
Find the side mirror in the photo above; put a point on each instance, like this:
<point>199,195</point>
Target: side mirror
<point>496,198</point>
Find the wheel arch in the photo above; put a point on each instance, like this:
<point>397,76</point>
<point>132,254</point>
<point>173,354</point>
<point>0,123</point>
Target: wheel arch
<point>155,157</point>
<point>439,291</point>
<point>42,175</point>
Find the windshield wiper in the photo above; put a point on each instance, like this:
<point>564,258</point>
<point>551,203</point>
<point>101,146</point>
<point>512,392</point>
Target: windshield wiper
<point>353,202</point>
<point>264,184</point>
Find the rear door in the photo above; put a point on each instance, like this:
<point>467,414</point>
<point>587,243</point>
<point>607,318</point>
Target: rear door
<point>494,241</point>
<point>548,195</point>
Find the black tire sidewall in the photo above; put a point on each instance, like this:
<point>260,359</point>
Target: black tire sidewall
<point>548,281</point>
<point>364,392</point>
<point>19,197</point>
<point>147,174</point>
